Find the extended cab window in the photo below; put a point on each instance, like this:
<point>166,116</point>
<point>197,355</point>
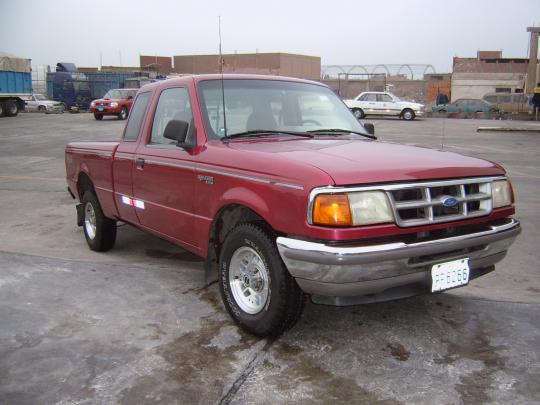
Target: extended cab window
<point>173,104</point>
<point>138,110</point>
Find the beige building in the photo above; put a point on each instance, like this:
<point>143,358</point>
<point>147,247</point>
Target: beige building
<point>280,64</point>
<point>489,72</point>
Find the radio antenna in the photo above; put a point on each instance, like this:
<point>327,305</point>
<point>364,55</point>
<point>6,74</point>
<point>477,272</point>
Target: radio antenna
<point>443,132</point>
<point>221,62</point>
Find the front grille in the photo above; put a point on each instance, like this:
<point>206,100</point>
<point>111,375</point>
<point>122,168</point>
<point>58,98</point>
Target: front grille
<point>102,104</point>
<point>440,201</point>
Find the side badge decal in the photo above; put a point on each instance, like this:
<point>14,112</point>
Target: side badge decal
<point>133,202</point>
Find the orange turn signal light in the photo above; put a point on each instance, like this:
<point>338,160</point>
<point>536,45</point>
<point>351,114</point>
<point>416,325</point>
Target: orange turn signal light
<point>332,210</point>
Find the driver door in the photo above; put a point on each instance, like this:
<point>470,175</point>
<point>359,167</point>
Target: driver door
<point>164,174</point>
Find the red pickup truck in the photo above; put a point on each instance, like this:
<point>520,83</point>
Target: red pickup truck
<point>286,195</point>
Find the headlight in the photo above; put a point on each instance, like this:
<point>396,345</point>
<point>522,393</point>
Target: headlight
<point>93,104</point>
<point>114,104</point>
<point>501,191</point>
<point>352,209</point>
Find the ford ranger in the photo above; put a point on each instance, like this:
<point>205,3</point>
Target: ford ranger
<point>286,195</point>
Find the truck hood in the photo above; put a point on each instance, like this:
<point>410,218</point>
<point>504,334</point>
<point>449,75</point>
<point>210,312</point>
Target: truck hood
<point>353,161</point>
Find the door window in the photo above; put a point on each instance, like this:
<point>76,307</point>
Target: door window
<point>136,117</point>
<point>173,104</point>
<point>385,98</point>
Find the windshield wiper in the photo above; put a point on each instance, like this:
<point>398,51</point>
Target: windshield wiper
<point>264,132</point>
<point>340,132</point>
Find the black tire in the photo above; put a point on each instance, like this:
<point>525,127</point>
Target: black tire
<point>42,108</point>
<point>285,300</point>
<point>123,113</point>
<point>11,109</point>
<point>99,231</point>
<point>98,117</point>
<point>358,113</point>
<point>408,114</point>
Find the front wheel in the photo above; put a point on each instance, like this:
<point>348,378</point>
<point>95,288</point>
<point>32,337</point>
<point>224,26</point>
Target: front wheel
<point>98,117</point>
<point>408,115</point>
<point>123,113</point>
<point>358,113</point>
<point>257,289</point>
<point>99,231</point>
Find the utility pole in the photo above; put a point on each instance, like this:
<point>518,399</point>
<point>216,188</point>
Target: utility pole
<point>532,70</point>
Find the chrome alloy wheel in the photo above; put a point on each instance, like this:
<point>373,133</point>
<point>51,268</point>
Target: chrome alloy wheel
<point>90,220</point>
<point>248,279</point>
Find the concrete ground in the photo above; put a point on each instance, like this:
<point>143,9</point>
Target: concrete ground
<point>136,325</point>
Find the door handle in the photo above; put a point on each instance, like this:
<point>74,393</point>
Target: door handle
<point>139,162</point>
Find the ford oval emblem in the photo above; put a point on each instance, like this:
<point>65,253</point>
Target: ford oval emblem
<point>449,202</point>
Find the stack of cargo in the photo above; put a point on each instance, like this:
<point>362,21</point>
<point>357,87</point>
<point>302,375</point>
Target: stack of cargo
<point>15,84</point>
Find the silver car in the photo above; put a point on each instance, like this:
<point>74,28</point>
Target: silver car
<point>39,102</point>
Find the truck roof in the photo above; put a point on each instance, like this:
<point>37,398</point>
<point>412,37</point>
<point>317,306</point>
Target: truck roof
<point>227,76</point>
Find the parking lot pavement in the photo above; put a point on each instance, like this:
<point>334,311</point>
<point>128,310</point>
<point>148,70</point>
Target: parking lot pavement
<point>137,324</point>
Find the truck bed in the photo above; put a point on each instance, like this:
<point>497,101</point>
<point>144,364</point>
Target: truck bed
<point>94,159</point>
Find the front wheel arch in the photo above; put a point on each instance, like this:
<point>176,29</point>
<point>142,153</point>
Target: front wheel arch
<point>408,114</point>
<point>225,220</point>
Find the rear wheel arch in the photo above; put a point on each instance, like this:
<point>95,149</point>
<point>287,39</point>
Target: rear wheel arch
<point>84,183</point>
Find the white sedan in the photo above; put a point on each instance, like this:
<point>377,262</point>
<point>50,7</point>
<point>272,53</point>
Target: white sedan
<point>41,103</point>
<point>383,103</point>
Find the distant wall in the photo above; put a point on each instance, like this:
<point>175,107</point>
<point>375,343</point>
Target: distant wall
<point>407,89</point>
<point>476,85</point>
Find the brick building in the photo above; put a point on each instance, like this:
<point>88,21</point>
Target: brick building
<point>280,64</point>
<point>159,64</point>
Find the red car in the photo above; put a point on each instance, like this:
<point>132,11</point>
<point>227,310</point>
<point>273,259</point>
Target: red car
<point>286,194</point>
<point>114,102</point>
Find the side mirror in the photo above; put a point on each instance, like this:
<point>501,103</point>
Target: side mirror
<point>129,98</point>
<point>178,131</point>
<point>370,128</point>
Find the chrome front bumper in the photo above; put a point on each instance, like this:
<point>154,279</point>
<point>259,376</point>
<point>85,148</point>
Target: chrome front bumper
<point>334,271</point>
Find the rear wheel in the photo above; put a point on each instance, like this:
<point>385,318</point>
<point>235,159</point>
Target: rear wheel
<point>99,231</point>
<point>407,114</point>
<point>257,289</point>
<point>358,113</point>
<point>98,117</point>
<point>123,113</point>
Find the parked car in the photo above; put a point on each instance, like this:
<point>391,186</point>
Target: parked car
<point>384,103</point>
<point>467,105</point>
<point>509,102</point>
<point>286,194</point>
<point>115,102</point>
<point>39,102</point>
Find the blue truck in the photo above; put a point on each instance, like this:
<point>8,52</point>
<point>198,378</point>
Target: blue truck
<point>15,84</point>
<point>76,89</point>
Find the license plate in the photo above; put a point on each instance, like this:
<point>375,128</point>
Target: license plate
<point>100,109</point>
<point>450,274</point>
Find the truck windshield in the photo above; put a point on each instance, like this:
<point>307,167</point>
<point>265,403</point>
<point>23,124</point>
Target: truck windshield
<point>273,105</point>
<point>118,94</point>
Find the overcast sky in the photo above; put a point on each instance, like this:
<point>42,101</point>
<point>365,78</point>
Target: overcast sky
<point>340,32</point>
